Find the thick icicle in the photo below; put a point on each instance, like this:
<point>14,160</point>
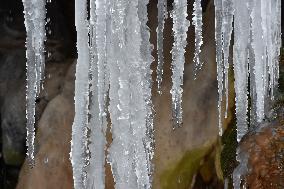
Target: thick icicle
<point>258,44</point>
<point>99,87</point>
<point>227,28</point>
<point>219,59</point>
<point>146,50</point>
<point>241,54</point>
<point>162,15</point>
<point>180,28</point>
<point>138,86</point>
<point>79,155</point>
<point>121,152</point>
<point>35,27</point>
<point>197,22</point>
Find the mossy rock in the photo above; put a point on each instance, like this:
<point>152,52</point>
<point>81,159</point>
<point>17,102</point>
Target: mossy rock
<point>181,173</point>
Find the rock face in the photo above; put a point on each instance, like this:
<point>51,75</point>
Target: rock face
<point>265,149</point>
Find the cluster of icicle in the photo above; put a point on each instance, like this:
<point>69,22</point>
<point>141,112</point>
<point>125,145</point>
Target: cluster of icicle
<point>256,50</point>
<point>114,58</point>
<point>113,77</point>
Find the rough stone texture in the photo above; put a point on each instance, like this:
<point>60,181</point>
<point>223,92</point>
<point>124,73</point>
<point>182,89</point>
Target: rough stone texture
<point>265,148</point>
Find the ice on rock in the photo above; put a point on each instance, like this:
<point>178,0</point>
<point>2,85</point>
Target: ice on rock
<point>162,15</point>
<point>180,28</point>
<point>240,170</point>
<point>197,22</point>
<point>34,13</point>
<point>79,157</point>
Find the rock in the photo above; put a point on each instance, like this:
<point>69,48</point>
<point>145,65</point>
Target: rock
<point>265,148</point>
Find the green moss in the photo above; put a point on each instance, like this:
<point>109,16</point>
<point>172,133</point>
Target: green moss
<point>180,174</point>
<point>12,157</point>
<point>228,154</point>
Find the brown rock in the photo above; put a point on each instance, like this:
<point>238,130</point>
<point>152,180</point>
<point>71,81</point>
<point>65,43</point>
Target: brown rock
<point>265,150</point>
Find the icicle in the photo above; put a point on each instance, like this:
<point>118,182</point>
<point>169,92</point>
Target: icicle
<point>121,152</point>
<point>197,22</point>
<point>274,26</point>
<point>162,15</point>
<point>99,87</point>
<point>35,27</point>
<point>79,152</point>
<point>219,59</point>
<point>260,63</point>
<point>241,45</point>
<point>138,86</point>
<point>180,28</point>
<point>227,28</point>
<point>146,50</point>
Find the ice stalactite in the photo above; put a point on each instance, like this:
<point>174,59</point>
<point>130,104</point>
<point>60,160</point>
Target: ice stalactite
<point>162,15</point>
<point>258,44</point>
<point>219,58</point>
<point>34,12</point>
<point>129,95</point>
<point>147,59</point>
<point>227,28</point>
<point>180,28</point>
<point>121,149</point>
<point>79,153</point>
<point>197,22</point>
<point>98,94</point>
<point>241,55</point>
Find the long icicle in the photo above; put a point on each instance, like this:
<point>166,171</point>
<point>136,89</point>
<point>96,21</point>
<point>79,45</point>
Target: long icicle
<point>162,15</point>
<point>241,54</point>
<point>35,12</point>
<point>227,28</point>
<point>137,86</point>
<point>259,52</point>
<point>99,88</point>
<point>146,50</point>
<point>180,28</point>
<point>79,155</point>
<point>219,58</point>
<point>197,22</point>
<point>121,151</point>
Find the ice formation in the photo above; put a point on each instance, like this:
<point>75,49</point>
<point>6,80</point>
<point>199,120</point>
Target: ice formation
<point>197,22</point>
<point>114,76</point>
<point>162,15</point>
<point>79,156</point>
<point>180,28</point>
<point>34,11</point>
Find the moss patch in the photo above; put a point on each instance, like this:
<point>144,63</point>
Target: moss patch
<point>12,157</point>
<point>180,174</point>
